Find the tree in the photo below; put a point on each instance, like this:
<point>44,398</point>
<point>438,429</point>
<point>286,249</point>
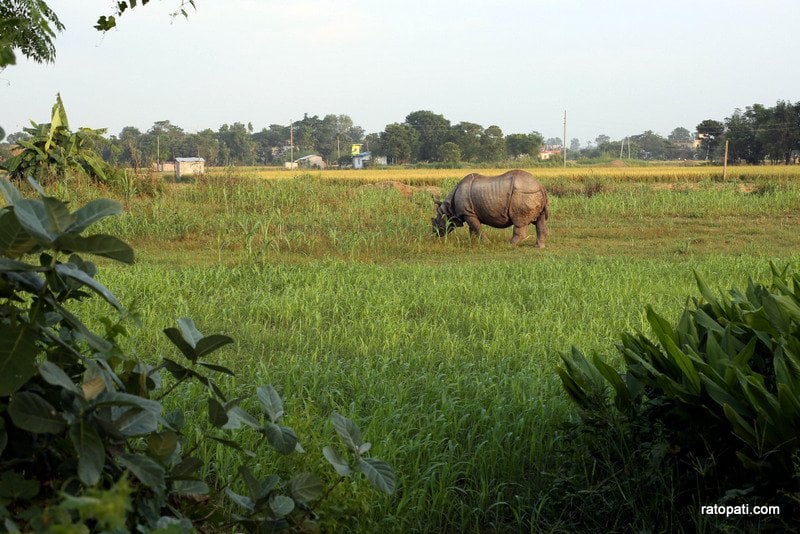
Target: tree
<point>780,132</point>
<point>741,134</point>
<point>575,145</point>
<point>450,152</point>
<point>203,144</point>
<point>130,140</point>
<point>493,144</point>
<point>433,131</point>
<point>467,136</point>
<point>400,142</point>
<point>650,145</point>
<point>680,135</point>
<point>710,132</point>
<point>163,142</point>
<point>524,144</point>
<point>554,141</point>
<point>242,149</point>
<point>30,26</point>
<point>106,22</point>
<point>601,140</point>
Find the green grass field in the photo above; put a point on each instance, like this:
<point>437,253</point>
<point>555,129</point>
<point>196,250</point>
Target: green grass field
<point>443,350</point>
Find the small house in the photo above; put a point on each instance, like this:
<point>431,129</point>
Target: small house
<point>360,158</point>
<point>189,166</point>
<point>312,161</point>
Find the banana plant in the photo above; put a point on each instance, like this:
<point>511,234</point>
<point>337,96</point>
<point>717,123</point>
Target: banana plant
<point>53,151</point>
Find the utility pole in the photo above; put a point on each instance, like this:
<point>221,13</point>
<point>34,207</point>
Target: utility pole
<point>621,146</point>
<point>291,144</point>
<point>564,144</point>
<point>158,152</point>
<point>725,162</point>
<point>629,147</point>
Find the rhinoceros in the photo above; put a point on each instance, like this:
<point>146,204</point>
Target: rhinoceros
<point>512,198</point>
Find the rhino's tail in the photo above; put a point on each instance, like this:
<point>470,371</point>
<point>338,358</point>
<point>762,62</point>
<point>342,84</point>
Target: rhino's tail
<point>546,210</point>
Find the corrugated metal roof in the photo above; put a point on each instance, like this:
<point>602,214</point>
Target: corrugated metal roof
<point>189,159</point>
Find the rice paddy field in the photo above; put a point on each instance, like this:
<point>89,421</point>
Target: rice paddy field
<point>443,350</point>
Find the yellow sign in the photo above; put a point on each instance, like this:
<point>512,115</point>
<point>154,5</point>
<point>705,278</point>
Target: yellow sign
<point>355,150</point>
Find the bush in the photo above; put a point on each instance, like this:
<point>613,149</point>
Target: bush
<point>713,402</point>
<point>85,444</point>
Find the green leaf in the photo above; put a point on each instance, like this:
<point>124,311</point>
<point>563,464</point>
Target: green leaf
<point>162,444</point>
<point>90,451</point>
<point>237,415</point>
<point>105,23</point>
<point>17,357</point>
<point>147,470</point>
<point>32,215</point>
<point>708,295</point>
<point>59,217</point>
<point>13,267</point>
<point>10,193</point>
<point>241,500</point>
<point>379,473</point>
<point>623,396</point>
<point>347,430</point>
<point>271,402</point>
<point>259,489</point>
<point>282,438</point>
<point>103,245</point>
<point>667,338</point>
<point>217,368</point>
<point>281,505</point>
<point>54,375</point>
<point>92,212</point>
<point>740,426</point>
<point>189,331</point>
<point>186,468</point>
<point>31,412</point>
<point>211,343</point>
<point>15,241</point>
<point>190,487</point>
<point>177,339</point>
<point>339,464</point>
<point>216,413</point>
<point>306,487</point>
<point>14,486</point>
<point>70,271</point>
<point>721,394</point>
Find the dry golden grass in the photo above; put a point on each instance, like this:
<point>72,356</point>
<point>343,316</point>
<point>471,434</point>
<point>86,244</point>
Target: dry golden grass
<point>415,176</point>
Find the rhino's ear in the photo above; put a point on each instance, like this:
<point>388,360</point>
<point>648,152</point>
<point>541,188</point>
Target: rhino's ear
<point>436,201</point>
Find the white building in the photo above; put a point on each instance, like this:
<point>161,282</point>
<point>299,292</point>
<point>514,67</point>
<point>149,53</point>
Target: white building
<point>189,166</point>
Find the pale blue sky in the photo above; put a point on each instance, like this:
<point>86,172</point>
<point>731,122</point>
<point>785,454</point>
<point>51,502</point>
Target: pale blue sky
<point>617,67</point>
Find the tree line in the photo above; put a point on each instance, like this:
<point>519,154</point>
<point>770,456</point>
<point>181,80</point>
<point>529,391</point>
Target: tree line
<point>756,135</point>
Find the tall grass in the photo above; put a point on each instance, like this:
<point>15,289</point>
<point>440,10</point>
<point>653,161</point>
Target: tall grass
<point>449,368</point>
<point>442,350</point>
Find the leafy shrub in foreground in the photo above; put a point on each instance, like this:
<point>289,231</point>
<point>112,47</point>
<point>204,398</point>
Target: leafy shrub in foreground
<point>84,443</point>
<point>714,399</point>
<point>53,150</point>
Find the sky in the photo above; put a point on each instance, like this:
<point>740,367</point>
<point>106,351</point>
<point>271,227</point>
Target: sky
<point>617,68</point>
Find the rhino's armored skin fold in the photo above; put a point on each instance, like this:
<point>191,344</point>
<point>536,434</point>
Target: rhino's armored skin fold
<point>514,198</point>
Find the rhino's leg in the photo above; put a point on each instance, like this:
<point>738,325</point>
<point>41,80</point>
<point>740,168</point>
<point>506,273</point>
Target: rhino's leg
<point>520,234</point>
<point>474,226</point>
<point>541,231</point>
